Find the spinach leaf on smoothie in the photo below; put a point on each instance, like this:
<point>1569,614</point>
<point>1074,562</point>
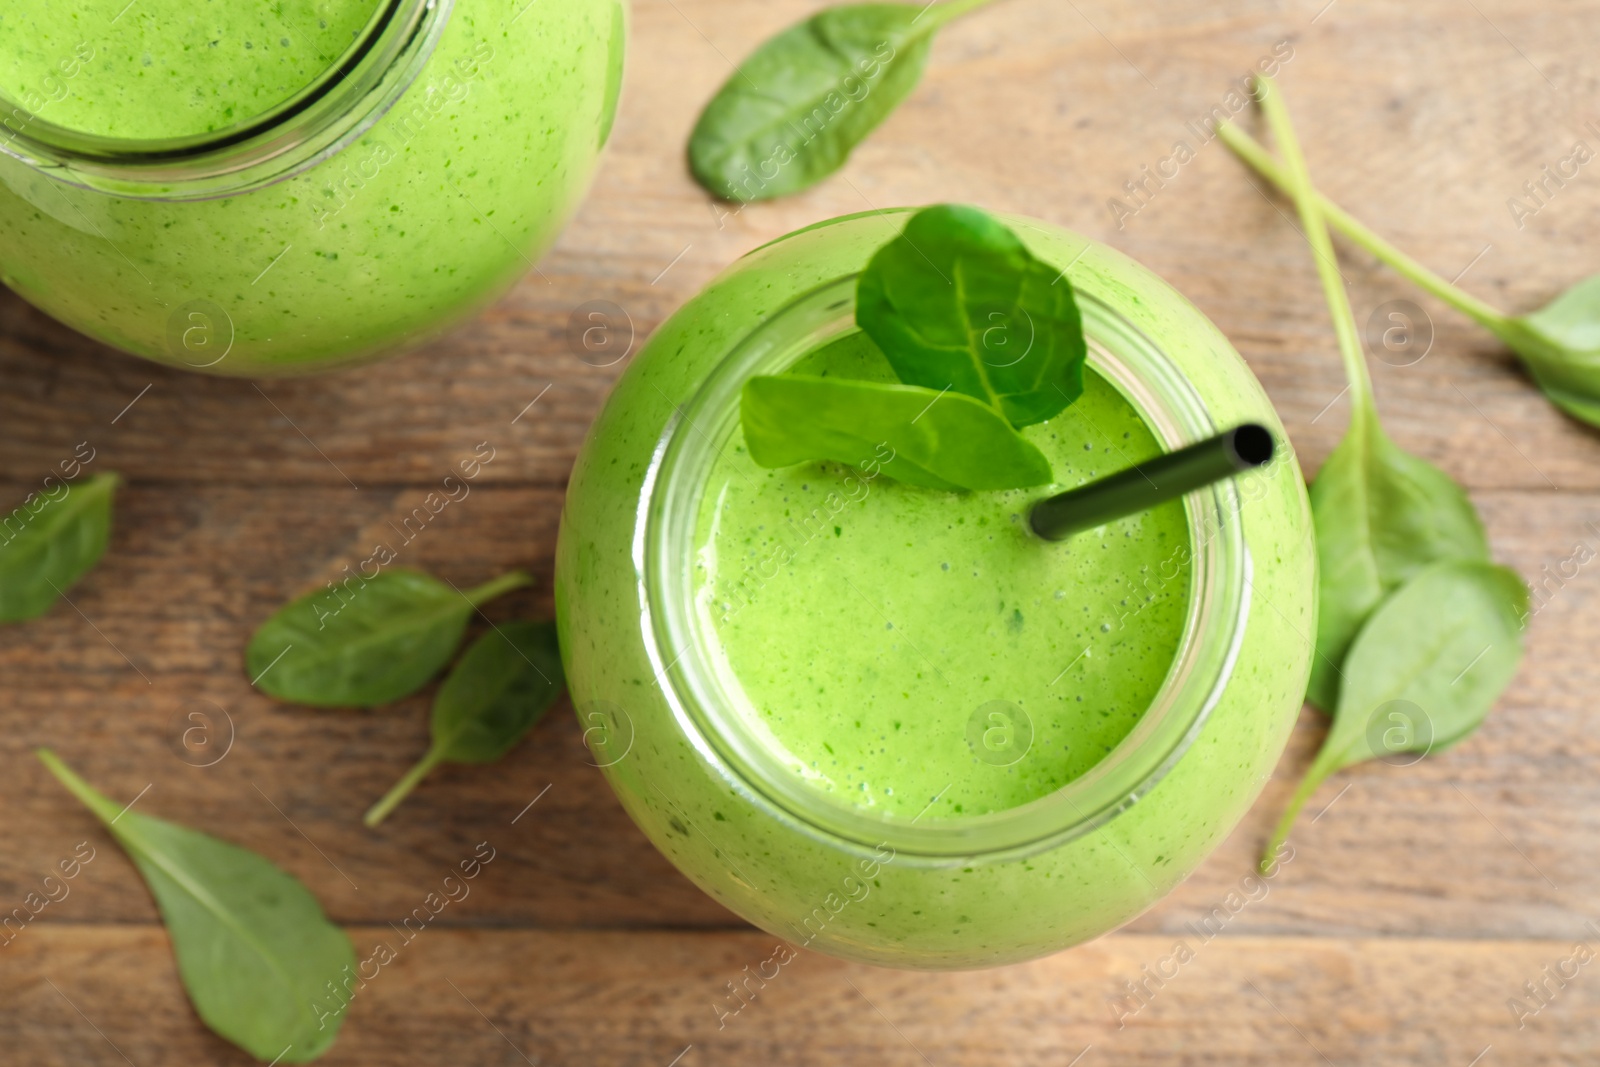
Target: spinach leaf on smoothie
<point>1559,343</point>
<point>792,112</point>
<point>49,542</point>
<point>493,696</point>
<point>958,302</point>
<point>984,339</point>
<point>367,641</point>
<point>937,441</point>
<point>255,951</point>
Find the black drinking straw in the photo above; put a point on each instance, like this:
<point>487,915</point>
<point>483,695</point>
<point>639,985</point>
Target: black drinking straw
<point>1156,481</point>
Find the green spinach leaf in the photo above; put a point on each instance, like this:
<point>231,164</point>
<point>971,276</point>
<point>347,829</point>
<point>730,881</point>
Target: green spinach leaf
<point>1380,514</point>
<point>1424,671</point>
<point>1560,346</point>
<point>49,542</point>
<point>369,641</point>
<point>254,949</point>
<point>958,302</point>
<point>795,109</point>
<point>916,435</point>
<point>498,690</point>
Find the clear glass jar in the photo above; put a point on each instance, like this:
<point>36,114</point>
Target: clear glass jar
<point>401,191</point>
<point>665,718</point>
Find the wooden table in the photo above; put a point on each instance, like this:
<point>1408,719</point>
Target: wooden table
<point>1419,900</point>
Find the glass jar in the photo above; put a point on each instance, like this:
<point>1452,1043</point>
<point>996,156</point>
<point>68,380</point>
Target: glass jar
<point>411,183</point>
<point>942,889</point>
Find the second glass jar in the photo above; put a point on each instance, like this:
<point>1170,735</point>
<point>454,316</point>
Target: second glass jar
<point>362,218</point>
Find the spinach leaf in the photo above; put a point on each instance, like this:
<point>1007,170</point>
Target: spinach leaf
<point>1560,346</point>
<point>984,339</point>
<point>1559,343</point>
<point>916,435</point>
<point>500,687</point>
<point>254,949</point>
<point>1380,515</point>
<point>367,642</point>
<point>958,302</point>
<point>49,542</point>
<point>795,109</point>
<point>1424,671</point>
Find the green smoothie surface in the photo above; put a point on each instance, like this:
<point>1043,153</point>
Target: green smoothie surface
<point>169,68</point>
<point>877,630</point>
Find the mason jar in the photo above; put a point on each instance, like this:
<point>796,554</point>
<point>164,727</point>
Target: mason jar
<point>1032,845</point>
<point>405,172</point>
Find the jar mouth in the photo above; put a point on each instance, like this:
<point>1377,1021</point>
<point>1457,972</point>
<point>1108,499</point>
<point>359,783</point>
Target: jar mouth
<point>335,108</point>
<point>679,642</point>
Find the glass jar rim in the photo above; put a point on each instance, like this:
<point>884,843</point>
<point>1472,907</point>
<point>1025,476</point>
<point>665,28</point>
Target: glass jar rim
<point>324,117</point>
<point>665,536</point>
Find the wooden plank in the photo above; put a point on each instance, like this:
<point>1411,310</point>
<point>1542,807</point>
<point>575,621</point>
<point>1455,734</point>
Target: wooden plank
<point>1054,129</point>
<point>1460,845</point>
<point>657,998</point>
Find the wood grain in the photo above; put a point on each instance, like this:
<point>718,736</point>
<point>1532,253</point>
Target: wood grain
<point>1419,898</point>
<point>645,998</point>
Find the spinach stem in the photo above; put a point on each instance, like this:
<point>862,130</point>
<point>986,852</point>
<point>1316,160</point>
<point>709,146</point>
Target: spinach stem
<point>1316,234</point>
<point>1308,785</point>
<point>499,587</point>
<point>1257,157</point>
<point>86,794</point>
<point>402,789</point>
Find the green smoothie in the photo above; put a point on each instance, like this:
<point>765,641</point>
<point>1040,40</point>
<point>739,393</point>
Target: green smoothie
<point>170,68</point>
<point>913,643</point>
<point>863,715</point>
<point>494,119</point>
